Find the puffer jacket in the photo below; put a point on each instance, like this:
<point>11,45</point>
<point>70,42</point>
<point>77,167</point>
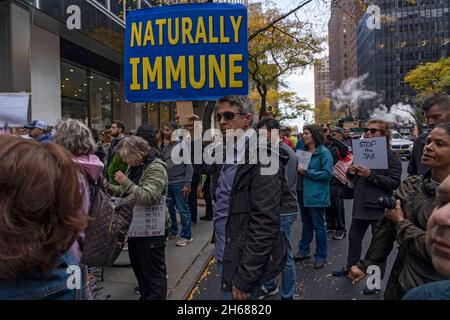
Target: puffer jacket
<point>413,266</point>
<point>91,168</point>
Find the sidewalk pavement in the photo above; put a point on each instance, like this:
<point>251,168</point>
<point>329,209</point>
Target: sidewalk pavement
<point>184,265</point>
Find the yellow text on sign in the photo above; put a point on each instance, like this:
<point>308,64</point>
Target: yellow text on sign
<point>213,71</point>
<point>184,31</point>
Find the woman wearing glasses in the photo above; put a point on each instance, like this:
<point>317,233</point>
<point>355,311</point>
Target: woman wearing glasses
<point>369,185</point>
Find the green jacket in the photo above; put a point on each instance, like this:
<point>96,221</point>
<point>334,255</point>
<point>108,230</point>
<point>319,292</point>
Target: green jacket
<point>413,266</point>
<point>152,185</point>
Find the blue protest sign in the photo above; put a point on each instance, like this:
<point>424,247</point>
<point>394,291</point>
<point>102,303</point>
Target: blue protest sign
<point>186,52</point>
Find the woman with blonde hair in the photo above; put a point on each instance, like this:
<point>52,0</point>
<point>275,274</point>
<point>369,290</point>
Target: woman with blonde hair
<point>369,185</point>
<point>76,137</point>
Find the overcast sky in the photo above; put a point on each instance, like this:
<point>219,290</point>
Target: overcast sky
<point>303,82</point>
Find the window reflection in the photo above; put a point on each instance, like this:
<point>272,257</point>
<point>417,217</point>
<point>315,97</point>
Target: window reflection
<point>100,101</point>
<point>74,92</point>
<point>85,92</point>
<point>153,115</point>
<point>164,112</point>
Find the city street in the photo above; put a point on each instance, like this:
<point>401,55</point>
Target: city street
<point>311,284</point>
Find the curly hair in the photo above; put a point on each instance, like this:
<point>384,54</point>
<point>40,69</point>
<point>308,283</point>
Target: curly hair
<point>133,145</point>
<point>316,133</point>
<point>75,136</point>
<point>40,205</point>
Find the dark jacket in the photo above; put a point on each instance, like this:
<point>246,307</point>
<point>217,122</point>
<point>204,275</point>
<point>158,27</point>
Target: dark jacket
<point>415,166</point>
<point>255,248</point>
<point>413,266</point>
<point>290,204</point>
<point>112,151</point>
<point>379,183</point>
<point>339,150</point>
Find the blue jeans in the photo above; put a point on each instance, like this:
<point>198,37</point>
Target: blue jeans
<point>313,220</point>
<point>432,291</point>
<point>288,276</point>
<point>228,295</point>
<point>176,198</point>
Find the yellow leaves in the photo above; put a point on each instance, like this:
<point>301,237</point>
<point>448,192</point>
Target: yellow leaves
<point>430,77</point>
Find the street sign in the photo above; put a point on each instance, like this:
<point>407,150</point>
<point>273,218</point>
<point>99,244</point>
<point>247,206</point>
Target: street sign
<point>186,52</point>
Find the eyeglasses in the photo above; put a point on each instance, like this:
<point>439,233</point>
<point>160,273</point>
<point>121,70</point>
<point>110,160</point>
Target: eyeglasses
<point>228,115</point>
<point>372,130</point>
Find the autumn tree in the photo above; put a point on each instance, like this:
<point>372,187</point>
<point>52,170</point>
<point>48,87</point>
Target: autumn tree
<point>278,49</point>
<point>282,104</point>
<point>323,113</point>
<point>432,77</point>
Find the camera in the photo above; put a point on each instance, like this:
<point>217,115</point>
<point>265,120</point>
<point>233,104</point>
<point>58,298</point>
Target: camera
<point>386,202</point>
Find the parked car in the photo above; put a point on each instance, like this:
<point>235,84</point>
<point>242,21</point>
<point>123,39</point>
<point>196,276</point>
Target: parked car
<point>402,145</point>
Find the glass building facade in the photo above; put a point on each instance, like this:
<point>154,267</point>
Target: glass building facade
<point>75,73</point>
<point>412,32</point>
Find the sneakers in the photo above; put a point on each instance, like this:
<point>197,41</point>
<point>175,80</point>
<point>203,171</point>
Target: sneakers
<point>299,257</point>
<point>265,293</point>
<point>319,264</point>
<point>339,235</point>
<point>340,273</point>
<point>182,242</point>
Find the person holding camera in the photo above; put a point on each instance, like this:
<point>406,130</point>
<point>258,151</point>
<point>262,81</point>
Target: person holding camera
<point>369,185</point>
<point>406,221</point>
<point>438,245</point>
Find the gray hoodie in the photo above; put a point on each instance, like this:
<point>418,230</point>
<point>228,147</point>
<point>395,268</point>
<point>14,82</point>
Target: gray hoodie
<point>178,173</point>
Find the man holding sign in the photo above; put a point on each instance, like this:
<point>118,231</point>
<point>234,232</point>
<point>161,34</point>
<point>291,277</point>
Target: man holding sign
<point>376,172</point>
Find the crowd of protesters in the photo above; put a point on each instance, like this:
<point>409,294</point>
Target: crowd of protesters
<point>42,233</point>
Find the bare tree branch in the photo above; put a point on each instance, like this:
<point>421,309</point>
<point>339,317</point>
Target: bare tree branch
<point>270,25</point>
<point>297,40</point>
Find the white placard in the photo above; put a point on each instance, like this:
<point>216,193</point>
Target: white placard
<point>371,153</point>
<point>148,221</point>
<point>304,158</point>
<point>14,109</point>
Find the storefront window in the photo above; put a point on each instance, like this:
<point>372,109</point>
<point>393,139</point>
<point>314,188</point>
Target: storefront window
<point>153,115</point>
<point>88,95</point>
<point>74,92</point>
<point>100,100</point>
<point>164,111</point>
<point>117,100</point>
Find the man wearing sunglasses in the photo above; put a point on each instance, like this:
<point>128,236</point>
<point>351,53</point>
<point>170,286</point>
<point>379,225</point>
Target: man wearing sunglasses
<point>249,245</point>
<point>436,110</point>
